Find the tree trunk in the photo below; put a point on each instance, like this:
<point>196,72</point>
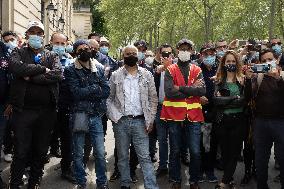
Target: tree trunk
<point>155,36</point>
<point>172,34</point>
<point>151,38</point>
<point>272,18</point>
<point>281,6</point>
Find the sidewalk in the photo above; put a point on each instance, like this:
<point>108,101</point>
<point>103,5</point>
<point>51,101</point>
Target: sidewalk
<point>52,180</point>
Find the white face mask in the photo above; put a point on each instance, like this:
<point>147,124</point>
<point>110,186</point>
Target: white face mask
<point>184,56</point>
<point>272,64</point>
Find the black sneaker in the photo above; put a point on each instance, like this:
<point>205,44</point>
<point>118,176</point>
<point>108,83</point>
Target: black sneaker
<point>161,172</point>
<point>33,186</point>
<point>134,178</point>
<point>247,177</point>
<point>115,175</point>
<point>154,159</point>
<point>277,179</point>
<point>185,161</point>
<point>276,165</point>
<point>175,185</point>
<point>55,153</point>
<point>232,185</point>
<point>69,176</point>
<point>3,185</point>
<point>125,187</point>
<point>80,187</point>
<point>103,187</point>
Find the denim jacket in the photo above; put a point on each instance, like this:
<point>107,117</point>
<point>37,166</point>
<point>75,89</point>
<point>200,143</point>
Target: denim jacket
<point>89,88</point>
<point>148,95</point>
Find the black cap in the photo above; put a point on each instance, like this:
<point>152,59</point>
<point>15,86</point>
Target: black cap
<point>184,41</point>
<point>80,42</point>
<point>141,43</point>
<point>207,46</point>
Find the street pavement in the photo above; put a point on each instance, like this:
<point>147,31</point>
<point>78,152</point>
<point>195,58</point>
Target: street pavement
<point>52,180</point>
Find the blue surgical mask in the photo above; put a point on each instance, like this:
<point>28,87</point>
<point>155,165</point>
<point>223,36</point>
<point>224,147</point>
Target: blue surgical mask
<point>69,48</point>
<point>220,54</point>
<point>35,41</point>
<point>11,44</point>
<point>104,50</point>
<point>209,60</point>
<point>59,49</point>
<point>141,56</point>
<point>277,49</point>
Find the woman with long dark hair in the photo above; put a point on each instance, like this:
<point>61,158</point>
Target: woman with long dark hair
<point>229,102</point>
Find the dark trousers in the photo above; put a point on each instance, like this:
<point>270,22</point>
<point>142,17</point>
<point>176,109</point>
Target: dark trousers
<point>87,148</point>
<point>152,142</point>
<point>231,134</point>
<point>8,141</point>
<point>266,132</point>
<point>65,139</point>
<point>54,142</point>
<point>184,152</point>
<point>208,159</point>
<point>133,160</point>
<point>249,150</point>
<point>32,131</point>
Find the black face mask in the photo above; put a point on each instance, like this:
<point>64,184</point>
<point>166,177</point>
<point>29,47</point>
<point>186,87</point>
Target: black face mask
<point>84,56</point>
<point>230,67</point>
<point>94,53</point>
<point>130,61</point>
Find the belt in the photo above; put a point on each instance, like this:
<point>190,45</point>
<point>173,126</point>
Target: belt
<point>135,117</point>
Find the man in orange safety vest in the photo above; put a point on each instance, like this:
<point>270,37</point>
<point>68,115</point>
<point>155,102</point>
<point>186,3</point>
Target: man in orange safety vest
<point>184,85</point>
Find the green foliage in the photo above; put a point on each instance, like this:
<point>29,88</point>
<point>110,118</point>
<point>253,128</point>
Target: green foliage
<point>167,21</point>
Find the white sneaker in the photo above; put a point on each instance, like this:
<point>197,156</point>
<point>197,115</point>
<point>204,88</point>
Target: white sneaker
<point>8,158</point>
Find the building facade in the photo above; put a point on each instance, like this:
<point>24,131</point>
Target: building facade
<point>56,15</point>
<point>82,22</point>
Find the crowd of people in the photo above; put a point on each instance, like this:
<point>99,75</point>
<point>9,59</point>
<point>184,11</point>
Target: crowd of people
<point>206,109</point>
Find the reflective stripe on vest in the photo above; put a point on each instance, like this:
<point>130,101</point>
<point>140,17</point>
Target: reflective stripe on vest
<point>182,105</point>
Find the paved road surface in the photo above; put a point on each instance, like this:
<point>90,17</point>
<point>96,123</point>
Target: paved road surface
<point>52,180</point>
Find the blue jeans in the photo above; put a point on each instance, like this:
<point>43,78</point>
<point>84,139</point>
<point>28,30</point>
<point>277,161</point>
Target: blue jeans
<point>267,131</point>
<point>97,138</point>
<point>162,135</point>
<point>125,131</point>
<point>193,133</point>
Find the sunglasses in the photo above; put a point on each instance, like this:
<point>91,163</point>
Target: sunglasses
<point>131,53</point>
<point>278,43</point>
<point>84,49</point>
<point>224,46</point>
<point>104,44</point>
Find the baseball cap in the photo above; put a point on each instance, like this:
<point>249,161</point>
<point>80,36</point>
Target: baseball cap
<point>35,24</point>
<point>184,41</point>
<point>141,43</point>
<point>104,39</point>
<point>207,46</point>
<point>80,42</point>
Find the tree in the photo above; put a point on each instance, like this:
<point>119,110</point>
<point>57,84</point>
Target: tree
<point>167,21</point>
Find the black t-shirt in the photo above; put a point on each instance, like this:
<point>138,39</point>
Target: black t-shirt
<point>270,98</point>
<point>38,96</point>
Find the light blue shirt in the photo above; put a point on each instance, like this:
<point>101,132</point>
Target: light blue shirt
<point>132,98</point>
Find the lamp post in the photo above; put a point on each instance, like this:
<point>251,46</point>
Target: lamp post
<point>61,23</point>
<point>51,12</point>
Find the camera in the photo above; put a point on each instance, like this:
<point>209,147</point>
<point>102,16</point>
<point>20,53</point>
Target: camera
<point>166,54</point>
<point>261,68</point>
